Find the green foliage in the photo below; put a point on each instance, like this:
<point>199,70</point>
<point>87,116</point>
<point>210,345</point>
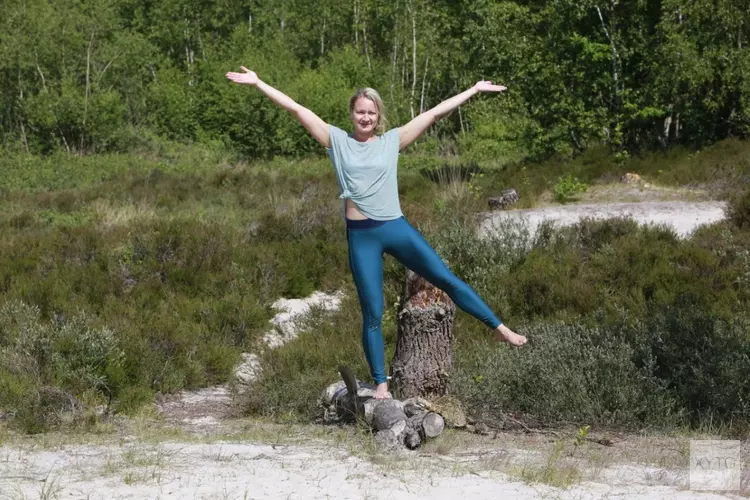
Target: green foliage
<point>127,275</point>
<point>569,372</point>
<point>567,187</point>
<point>177,270</point>
<point>701,357</point>
<point>74,75</point>
<point>581,435</point>
<point>169,99</point>
<point>72,355</point>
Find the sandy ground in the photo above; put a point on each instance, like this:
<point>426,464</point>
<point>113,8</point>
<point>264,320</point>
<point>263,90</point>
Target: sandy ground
<point>684,217</point>
<point>236,470</point>
<point>126,466</point>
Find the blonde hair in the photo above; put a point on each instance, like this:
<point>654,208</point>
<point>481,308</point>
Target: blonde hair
<point>372,95</point>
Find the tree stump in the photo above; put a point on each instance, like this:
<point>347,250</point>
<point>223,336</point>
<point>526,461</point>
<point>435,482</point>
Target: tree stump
<point>424,351</point>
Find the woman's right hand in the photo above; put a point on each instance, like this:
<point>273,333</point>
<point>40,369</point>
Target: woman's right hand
<point>248,77</point>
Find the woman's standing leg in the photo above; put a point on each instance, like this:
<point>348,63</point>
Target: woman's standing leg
<point>411,249</point>
<point>366,264</point>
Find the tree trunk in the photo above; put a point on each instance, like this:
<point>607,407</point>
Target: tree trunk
<point>87,90</point>
<point>367,49</point>
<point>424,82</point>
<point>424,353</point>
<point>356,24</point>
<point>413,58</point>
<point>323,35</point>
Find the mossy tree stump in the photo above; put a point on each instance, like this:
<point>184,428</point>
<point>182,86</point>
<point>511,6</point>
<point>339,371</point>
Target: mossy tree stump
<point>424,347</point>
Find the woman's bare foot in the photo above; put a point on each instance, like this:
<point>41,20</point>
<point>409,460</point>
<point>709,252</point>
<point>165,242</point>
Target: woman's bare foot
<point>505,334</point>
<point>381,391</point>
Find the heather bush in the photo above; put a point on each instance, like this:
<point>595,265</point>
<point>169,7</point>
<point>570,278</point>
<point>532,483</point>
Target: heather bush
<point>69,358</point>
<point>125,276</point>
<point>568,372</point>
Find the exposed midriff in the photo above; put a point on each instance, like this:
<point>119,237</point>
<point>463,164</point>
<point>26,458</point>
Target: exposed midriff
<point>352,212</point>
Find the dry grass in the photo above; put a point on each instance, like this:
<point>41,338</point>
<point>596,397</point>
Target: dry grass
<point>606,191</point>
<point>110,214</point>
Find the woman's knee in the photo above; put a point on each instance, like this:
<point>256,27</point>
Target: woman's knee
<point>374,322</point>
<point>373,317</point>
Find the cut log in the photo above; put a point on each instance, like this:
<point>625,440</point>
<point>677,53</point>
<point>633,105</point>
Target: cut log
<point>424,353</point>
<point>506,199</point>
<point>428,424</point>
<point>412,439</point>
<point>388,440</point>
<point>387,413</point>
<point>397,423</point>
<point>413,406</point>
<point>432,425</point>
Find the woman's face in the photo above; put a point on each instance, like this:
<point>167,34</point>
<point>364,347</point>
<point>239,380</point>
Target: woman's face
<point>365,117</point>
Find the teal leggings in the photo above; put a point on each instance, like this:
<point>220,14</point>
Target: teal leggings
<point>399,239</point>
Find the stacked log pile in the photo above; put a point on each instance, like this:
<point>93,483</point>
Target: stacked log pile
<point>396,423</point>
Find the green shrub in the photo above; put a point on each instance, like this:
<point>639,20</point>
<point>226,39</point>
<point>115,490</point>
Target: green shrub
<point>175,255</point>
<point>677,366</point>
<point>45,367</point>
<point>703,360</point>
<point>83,356</point>
<point>567,372</point>
<point>567,187</point>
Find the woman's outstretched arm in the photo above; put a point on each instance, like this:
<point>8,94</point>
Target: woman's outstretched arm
<point>312,122</point>
<point>409,132</point>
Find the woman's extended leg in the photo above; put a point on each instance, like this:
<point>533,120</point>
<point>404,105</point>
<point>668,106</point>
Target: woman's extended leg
<point>366,264</point>
<point>408,246</point>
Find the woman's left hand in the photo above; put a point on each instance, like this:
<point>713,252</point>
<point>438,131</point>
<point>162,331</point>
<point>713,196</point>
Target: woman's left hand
<point>488,86</point>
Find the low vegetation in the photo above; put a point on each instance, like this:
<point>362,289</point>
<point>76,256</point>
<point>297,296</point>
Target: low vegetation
<point>127,275</point>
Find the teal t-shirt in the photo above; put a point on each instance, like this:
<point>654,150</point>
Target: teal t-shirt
<point>366,172</point>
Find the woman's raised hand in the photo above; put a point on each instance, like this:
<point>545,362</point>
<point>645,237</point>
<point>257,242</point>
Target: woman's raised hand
<point>488,86</point>
<point>248,77</point>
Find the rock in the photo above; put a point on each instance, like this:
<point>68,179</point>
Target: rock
<point>399,427</point>
<point>339,406</point>
<point>394,427</point>
<point>479,428</point>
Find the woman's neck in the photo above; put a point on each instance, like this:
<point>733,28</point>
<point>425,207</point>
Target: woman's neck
<point>363,138</point>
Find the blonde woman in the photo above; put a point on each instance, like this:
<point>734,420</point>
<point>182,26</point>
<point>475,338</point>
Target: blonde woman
<point>366,164</point>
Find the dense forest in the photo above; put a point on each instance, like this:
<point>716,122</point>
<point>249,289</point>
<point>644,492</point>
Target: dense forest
<point>99,75</point>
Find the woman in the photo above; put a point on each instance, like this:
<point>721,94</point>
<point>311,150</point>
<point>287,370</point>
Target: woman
<point>366,164</point>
